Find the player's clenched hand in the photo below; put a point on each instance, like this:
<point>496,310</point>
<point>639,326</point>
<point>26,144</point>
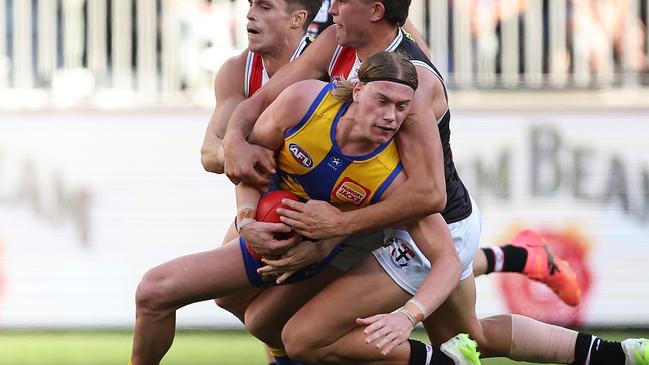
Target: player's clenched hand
<point>246,162</point>
<point>297,257</point>
<point>315,219</point>
<point>261,237</point>
<point>386,331</point>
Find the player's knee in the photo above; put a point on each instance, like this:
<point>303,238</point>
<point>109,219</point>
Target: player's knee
<point>300,351</point>
<point>261,326</point>
<point>153,292</point>
<point>298,345</point>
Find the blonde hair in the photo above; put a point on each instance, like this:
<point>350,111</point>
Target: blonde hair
<point>387,66</point>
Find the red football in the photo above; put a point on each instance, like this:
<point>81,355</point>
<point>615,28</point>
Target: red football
<point>267,212</point>
<point>267,208</point>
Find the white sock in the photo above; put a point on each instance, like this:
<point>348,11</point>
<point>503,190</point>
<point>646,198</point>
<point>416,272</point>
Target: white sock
<point>499,258</point>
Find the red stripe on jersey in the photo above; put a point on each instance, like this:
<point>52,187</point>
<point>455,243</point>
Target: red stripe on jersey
<point>256,74</point>
<point>344,63</point>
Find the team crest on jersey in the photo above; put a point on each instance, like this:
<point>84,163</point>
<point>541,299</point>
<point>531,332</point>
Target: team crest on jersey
<point>335,163</point>
<point>401,252</point>
<point>300,155</point>
<point>349,191</point>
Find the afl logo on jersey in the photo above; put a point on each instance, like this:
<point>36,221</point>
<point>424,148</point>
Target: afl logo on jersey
<point>401,252</point>
<point>350,192</point>
<point>300,155</point>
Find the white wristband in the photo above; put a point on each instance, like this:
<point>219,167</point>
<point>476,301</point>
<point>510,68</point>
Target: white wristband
<point>421,307</point>
<point>243,222</point>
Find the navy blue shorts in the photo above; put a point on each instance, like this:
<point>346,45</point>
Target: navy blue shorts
<point>252,263</point>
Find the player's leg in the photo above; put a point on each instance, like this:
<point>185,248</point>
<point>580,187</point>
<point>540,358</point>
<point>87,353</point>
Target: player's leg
<point>534,341</point>
<point>521,338</point>
<point>493,334</point>
<point>266,316</point>
<point>528,254</point>
<point>237,303</point>
<point>457,314</point>
<point>324,330</point>
<point>268,313</point>
<point>174,284</point>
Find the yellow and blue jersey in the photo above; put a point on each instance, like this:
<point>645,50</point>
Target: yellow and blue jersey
<point>311,165</point>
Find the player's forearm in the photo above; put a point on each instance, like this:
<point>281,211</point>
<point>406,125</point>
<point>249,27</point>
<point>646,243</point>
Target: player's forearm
<point>242,120</point>
<point>434,240</point>
<point>247,195</point>
<point>247,199</point>
<point>409,201</point>
<point>212,155</point>
<point>328,245</point>
<point>443,277</point>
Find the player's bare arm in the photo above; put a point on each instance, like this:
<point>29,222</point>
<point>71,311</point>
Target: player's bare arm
<point>247,162</point>
<point>228,93</point>
<point>422,194</point>
<point>434,239</point>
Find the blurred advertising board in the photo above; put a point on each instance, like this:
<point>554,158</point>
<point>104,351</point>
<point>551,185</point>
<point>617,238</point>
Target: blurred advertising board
<point>89,201</point>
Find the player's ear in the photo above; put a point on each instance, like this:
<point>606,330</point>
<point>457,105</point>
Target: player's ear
<point>378,11</point>
<point>298,18</point>
<point>356,92</point>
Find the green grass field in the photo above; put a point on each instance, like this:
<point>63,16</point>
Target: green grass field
<point>190,347</point>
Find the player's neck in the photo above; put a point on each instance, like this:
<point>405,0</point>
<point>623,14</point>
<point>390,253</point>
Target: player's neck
<point>281,55</point>
<point>378,40</point>
<point>349,138</point>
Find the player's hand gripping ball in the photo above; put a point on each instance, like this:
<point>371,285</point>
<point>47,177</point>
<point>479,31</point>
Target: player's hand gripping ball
<point>267,209</point>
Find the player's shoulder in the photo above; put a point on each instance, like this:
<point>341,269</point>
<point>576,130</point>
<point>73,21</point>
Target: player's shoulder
<point>430,79</point>
<point>409,47</point>
<point>305,89</point>
<point>431,91</point>
<point>429,82</point>
<point>235,63</point>
<point>230,76</point>
<point>294,102</point>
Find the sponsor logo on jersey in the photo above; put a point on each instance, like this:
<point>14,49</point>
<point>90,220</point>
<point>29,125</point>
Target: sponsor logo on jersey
<point>300,155</point>
<point>401,252</point>
<point>349,191</point>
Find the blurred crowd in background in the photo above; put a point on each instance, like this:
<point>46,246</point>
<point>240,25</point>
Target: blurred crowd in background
<point>70,52</point>
<point>598,25</point>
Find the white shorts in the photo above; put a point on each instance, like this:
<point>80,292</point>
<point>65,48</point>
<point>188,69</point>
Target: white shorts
<point>407,265</point>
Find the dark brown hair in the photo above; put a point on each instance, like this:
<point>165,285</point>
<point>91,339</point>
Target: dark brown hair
<point>396,11</point>
<point>311,7</point>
